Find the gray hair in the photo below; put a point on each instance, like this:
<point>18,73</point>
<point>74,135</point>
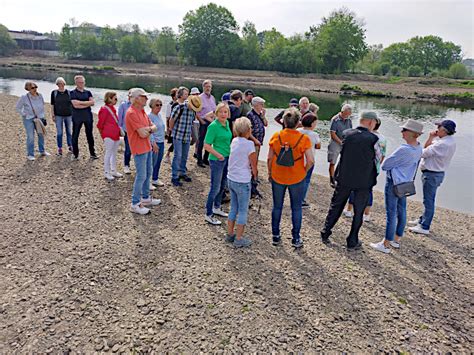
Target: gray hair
<point>257,100</point>
<point>60,80</point>
<point>154,101</point>
<point>79,77</point>
<point>313,108</point>
<point>181,90</point>
<point>241,126</point>
<point>291,117</point>
<point>304,98</point>
<point>207,81</point>
<point>346,107</point>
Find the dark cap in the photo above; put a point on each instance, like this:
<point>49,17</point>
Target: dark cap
<point>294,101</point>
<point>226,97</point>
<point>249,92</point>
<point>448,125</point>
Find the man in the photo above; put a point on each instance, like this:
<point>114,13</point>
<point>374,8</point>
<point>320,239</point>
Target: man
<point>235,104</point>
<point>181,123</point>
<point>122,110</point>
<point>82,101</point>
<point>355,172</point>
<point>435,159</point>
<point>279,118</point>
<point>339,123</point>
<point>205,117</point>
<point>259,122</point>
<point>304,105</point>
<point>247,103</point>
<point>139,128</point>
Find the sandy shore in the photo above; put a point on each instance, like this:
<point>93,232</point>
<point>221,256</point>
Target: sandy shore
<point>80,273</point>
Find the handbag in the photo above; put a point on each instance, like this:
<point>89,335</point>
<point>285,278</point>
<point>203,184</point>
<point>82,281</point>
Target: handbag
<point>405,189</point>
<point>122,132</point>
<point>40,122</point>
<point>285,157</point>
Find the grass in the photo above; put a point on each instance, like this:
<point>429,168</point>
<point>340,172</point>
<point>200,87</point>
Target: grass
<point>402,300</point>
<point>358,90</point>
<point>347,87</point>
<point>461,95</point>
<point>393,80</point>
<point>464,84</point>
<point>246,308</point>
<point>103,67</point>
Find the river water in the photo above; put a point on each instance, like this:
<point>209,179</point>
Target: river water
<point>456,192</point>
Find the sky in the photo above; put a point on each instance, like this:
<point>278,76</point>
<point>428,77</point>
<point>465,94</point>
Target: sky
<point>386,21</point>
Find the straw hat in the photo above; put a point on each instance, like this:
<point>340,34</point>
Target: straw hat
<point>413,126</point>
<point>195,103</point>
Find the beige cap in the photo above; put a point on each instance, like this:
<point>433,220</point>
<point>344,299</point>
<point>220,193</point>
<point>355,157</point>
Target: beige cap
<point>414,126</point>
<point>136,92</point>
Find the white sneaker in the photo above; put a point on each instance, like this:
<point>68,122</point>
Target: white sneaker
<point>152,188</point>
<point>414,222</point>
<point>158,183</point>
<point>348,214</point>
<point>419,230</point>
<point>109,176</point>
<point>366,218</point>
<point>138,208</point>
<point>395,244</point>
<point>212,220</point>
<point>30,157</point>
<point>126,170</point>
<point>116,174</point>
<point>151,201</point>
<point>219,212</point>
<point>380,247</point>
<point>45,154</point>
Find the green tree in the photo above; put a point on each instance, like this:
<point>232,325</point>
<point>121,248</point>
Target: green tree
<point>89,47</point>
<point>135,47</point>
<point>431,52</point>
<point>398,54</point>
<point>415,70</point>
<point>166,43</point>
<point>68,42</point>
<point>272,54</point>
<point>395,70</point>
<point>250,47</point>
<point>457,71</point>
<point>7,44</point>
<point>108,42</point>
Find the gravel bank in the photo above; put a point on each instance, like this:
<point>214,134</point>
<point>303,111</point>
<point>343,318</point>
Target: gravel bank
<point>80,273</point>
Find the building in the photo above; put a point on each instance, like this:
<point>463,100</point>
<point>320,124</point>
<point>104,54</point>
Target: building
<point>34,41</point>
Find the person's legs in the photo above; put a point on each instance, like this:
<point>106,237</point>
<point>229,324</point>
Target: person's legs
<point>109,146</point>
<point>278,194</point>
<point>369,203</point>
<point>401,217</point>
<point>217,169</point>
<point>68,126</point>
<point>76,130</point>
<point>222,185</point>
<point>431,181</point>
<point>234,207</point>
<point>161,153</point>
<point>89,124</point>
<point>307,182</point>
<point>128,153</point>
<point>200,143</point>
<point>391,202</point>
<point>41,143</point>
<point>113,158</point>
<point>243,196</point>
<point>148,172</point>
<point>184,158</point>
<point>338,201</point>
<point>30,137</point>
<point>361,196</point>
<point>155,166</point>
<point>140,176</point>
<point>58,121</point>
<point>175,165</point>
<point>296,200</point>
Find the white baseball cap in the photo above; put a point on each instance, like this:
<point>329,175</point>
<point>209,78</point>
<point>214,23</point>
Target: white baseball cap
<point>136,92</point>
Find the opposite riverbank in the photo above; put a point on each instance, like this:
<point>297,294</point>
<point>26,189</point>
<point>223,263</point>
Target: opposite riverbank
<point>434,90</point>
<point>80,273</point>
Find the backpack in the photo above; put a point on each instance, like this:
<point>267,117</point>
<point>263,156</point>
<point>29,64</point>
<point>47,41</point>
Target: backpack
<point>56,93</point>
<point>285,157</point>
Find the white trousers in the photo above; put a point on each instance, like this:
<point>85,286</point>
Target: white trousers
<point>110,159</point>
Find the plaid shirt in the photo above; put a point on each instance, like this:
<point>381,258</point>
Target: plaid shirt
<point>182,127</point>
<point>258,128</point>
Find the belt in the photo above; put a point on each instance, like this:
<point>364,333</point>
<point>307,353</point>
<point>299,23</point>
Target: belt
<point>431,171</point>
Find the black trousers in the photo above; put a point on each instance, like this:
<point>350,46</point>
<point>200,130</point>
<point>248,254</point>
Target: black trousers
<point>76,130</point>
<point>338,202</point>
<point>200,144</point>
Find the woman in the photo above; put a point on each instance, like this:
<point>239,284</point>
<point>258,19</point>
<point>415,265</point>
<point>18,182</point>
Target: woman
<point>61,114</point>
<point>217,143</point>
<point>242,167</point>
<point>30,107</point>
<point>401,167</point>
<point>110,131</point>
<point>169,108</point>
<point>287,169</point>
<point>157,139</point>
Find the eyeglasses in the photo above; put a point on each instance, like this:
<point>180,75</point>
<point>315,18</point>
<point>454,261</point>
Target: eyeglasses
<point>33,87</point>
<point>158,105</point>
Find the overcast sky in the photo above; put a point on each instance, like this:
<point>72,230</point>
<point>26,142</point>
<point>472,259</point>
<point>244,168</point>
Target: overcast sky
<point>386,21</point>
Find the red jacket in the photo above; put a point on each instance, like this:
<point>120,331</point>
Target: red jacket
<point>107,124</point>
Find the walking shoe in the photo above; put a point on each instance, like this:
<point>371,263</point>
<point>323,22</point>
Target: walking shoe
<point>242,243</point>
<point>366,218</point>
<point>109,176</point>
<point>419,230</point>
<point>94,157</point>
<point>74,158</point>
<point>45,154</point>
<point>206,162</point>
<point>30,157</point>
<point>380,247</point>
<point>152,188</point>
<point>176,182</point>
<point>138,208</point>
<point>157,183</point>
<point>185,178</point>
<point>195,156</point>
<point>201,164</point>
<point>355,247</point>
<point>219,212</point>
<point>229,238</point>
<point>60,151</point>
<point>276,240</point>
<point>414,222</point>
<point>297,244</point>
<point>69,149</point>
<point>151,201</point>
<point>212,220</point>
<point>116,174</point>
<point>395,244</point>
<point>126,170</point>
<point>305,205</point>
<point>348,214</point>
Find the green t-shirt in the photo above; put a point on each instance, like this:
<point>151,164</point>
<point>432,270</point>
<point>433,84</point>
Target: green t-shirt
<point>219,137</point>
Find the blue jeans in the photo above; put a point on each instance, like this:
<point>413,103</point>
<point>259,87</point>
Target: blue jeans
<point>307,181</point>
<point>157,158</point>
<point>128,153</point>
<point>396,212</point>
<point>141,185</point>
<point>369,204</point>
<point>431,181</point>
<point>218,184</point>
<point>296,199</point>
<point>67,120</point>
<point>180,158</point>
<point>30,138</point>
<point>239,201</point>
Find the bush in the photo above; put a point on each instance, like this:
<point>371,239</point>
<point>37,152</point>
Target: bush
<point>377,69</point>
<point>385,68</point>
<point>457,71</point>
<point>415,70</point>
<point>395,70</point>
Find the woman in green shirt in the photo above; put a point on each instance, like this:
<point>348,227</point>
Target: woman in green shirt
<point>217,143</point>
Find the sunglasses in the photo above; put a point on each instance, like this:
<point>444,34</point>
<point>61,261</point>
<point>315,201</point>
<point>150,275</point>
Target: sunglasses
<point>158,105</point>
<point>33,87</point>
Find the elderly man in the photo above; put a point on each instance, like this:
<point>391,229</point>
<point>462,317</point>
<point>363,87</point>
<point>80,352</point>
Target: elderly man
<point>339,123</point>
<point>139,128</point>
<point>435,159</point>
<point>205,117</point>
<point>247,103</point>
<point>279,118</point>
<point>259,122</point>
<point>82,101</point>
<point>181,123</point>
<point>122,110</point>
<point>357,173</point>
<point>304,105</point>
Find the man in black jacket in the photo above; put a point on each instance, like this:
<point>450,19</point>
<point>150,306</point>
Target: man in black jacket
<point>356,172</point>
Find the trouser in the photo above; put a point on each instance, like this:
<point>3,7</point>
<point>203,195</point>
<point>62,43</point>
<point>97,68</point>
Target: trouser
<point>218,184</point>
<point>30,138</point>
<point>396,212</point>
<point>431,181</point>
<point>239,201</point>
<point>307,181</point>
<point>76,130</point>
<point>141,185</point>
<point>339,199</point>
<point>180,158</point>
<point>65,121</point>
<point>200,144</point>
<point>157,158</point>
<point>110,158</point>
<point>370,202</point>
<point>128,153</point>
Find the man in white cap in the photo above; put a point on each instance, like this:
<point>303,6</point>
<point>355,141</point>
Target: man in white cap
<point>139,128</point>
<point>122,110</point>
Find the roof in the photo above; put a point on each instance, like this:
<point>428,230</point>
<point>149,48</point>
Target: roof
<point>28,36</point>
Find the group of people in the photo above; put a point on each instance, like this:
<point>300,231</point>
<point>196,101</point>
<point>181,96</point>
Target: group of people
<point>228,136</point>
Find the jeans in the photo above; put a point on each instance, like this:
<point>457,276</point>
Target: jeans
<point>141,185</point>
<point>307,181</point>
<point>110,158</point>
<point>431,181</point>
<point>157,158</point>
<point>369,203</point>
<point>218,184</point>
<point>239,201</point>
<point>396,212</point>
<point>180,158</point>
<point>30,138</point>
<point>296,200</point>
<point>67,120</point>
<point>128,153</point>
<point>76,130</point>
<point>200,144</point>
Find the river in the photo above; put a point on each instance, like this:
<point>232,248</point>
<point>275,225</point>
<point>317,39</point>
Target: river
<point>457,191</point>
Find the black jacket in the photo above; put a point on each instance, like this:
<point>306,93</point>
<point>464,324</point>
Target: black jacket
<point>356,168</point>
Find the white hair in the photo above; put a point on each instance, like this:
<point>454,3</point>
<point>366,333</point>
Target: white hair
<point>60,80</point>
<point>304,98</point>
<point>346,107</point>
<point>79,77</point>
<point>257,100</point>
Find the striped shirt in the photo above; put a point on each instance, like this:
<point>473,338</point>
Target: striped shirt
<point>182,125</point>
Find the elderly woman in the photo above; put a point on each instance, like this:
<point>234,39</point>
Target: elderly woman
<point>110,131</point>
<point>30,107</point>
<point>259,122</point>
<point>157,139</point>
<point>61,114</point>
<point>401,167</point>
<point>290,157</point>
<point>242,167</point>
<point>217,143</point>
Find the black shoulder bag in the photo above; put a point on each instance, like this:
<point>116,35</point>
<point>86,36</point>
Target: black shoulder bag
<point>405,189</point>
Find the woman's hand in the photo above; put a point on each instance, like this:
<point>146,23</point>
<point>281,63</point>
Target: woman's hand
<point>155,147</point>
<point>220,157</point>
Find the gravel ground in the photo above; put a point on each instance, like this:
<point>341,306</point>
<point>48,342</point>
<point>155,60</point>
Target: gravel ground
<point>80,273</point>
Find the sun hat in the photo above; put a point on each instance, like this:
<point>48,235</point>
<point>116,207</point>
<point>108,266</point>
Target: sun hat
<point>448,125</point>
<point>195,103</point>
<point>136,92</point>
<point>413,126</point>
<point>194,91</point>
<point>257,100</point>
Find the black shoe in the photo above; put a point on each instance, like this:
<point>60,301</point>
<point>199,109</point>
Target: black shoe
<point>297,244</point>
<point>276,240</point>
<point>201,164</point>
<point>195,155</point>
<point>206,162</point>
<point>94,157</point>
<point>176,182</point>
<point>185,178</point>
<point>305,205</point>
<point>325,240</point>
<point>358,246</point>
<point>332,182</point>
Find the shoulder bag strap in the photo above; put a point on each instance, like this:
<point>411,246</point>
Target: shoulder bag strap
<point>113,114</point>
<point>28,96</point>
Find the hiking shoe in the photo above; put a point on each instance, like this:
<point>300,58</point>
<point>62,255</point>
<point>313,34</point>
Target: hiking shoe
<point>152,188</point>
<point>414,222</point>
<point>242,243</point>
<point>30,157</point>
<point>139,209</point>
<point>126,170</point>
<point>45,154</point>
<point>348,214</point>
<point>176,182</point>
<point>305,205</point>
<point>94,157</point>
<point>116,174</point>
<point>419,230</point>
<point>109,176</point>
<point>74,158</point>
<point>229,238</point>
<point>157,183</point>
<point>185,178</point>
<point>366,218</point>
<point>151,201</point>
<point>212,220</point>
<point>276,240</point>
<point>297,244</point>
<point>219,212</point>
<point>358,246</point>
<point>380,247</point>
<point>60,151</point>
<point>395,244</point>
